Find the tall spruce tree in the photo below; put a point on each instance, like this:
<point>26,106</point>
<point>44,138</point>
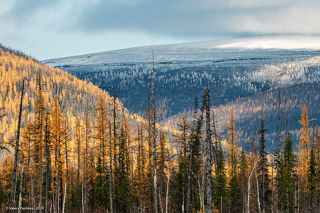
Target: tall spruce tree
<point>286,181</point>
<point>194,161</point>
<point>122,187</point>
<point>220,195</point>
<point>312,181</point>
<point>182,138</point>
<point>263,174</point>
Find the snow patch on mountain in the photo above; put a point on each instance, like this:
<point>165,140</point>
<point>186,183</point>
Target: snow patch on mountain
<point>289,73</point>
<point>194,51</point>
<point>279,42</point>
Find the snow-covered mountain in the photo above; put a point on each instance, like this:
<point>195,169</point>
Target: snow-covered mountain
<point>238,73</point>
<point>194,51</point>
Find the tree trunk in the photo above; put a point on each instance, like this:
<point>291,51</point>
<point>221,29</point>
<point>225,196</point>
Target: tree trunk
<point>110,171</point>
<point>249,185</point>
<point>167,192</point>
<point>64,197</point>
<point>20,191</point>
<point>48,165</point>
<point>17,149</point>
<point>258,192</point>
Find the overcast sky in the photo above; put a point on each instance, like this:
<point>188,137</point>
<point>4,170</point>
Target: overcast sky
<point>55,28</point>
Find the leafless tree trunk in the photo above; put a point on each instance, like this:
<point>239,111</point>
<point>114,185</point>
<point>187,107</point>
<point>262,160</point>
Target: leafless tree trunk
<point>167,192</point>
<point>249,185</point>
<point>201,193</point>
<point>208,154</point>
<point>17,149</point>
<point>114,132</point>
<point>189,180</point>
<point>64,197</point>
<point>258,193</point>
<point>82,199</point>
<point>20,190</point>
<point>110,170</point>
<point>48,165</point>
<point>160,202</point>
<point>152,133</point>
<point>155,173</point>
<point>296,193</point>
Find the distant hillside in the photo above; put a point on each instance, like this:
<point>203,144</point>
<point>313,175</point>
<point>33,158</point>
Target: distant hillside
<point>183,70</point>
<point>74,96</point>
<point>238,78</point>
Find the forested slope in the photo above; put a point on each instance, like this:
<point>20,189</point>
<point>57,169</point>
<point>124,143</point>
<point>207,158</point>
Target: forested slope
<point>67,146</point>
<point>74,96</point>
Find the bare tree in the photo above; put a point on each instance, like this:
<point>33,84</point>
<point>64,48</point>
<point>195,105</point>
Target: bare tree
<point>255,162</point>
<point>152,132</point>
<point>208,153</point>
<point>48,163</point>
<point>2,146</point>
<point>17,148</point>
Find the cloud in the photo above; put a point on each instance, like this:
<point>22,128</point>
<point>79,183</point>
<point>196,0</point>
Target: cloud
<point>180,18</point>
<point>51,28</point>
<point>203,18</point>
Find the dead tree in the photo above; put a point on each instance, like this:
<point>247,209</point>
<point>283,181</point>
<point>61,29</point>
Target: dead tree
<point>48,163</point>
<point>208,153</point>
<point>17,148</point>
<point>2,146</point>
<point>152,124</point>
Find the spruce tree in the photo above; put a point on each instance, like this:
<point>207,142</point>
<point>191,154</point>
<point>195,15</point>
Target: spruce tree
<point>183,127</point>
<point>243,180</point>
<point>194,161</point>
<point>312,181</point>
<point>263,174</point>
<point>122,188</point>
<point>285,176</point>
<point>100,187</point>
<point>220,195</point>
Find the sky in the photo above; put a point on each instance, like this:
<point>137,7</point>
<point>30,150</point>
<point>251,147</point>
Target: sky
<point>56,28</point>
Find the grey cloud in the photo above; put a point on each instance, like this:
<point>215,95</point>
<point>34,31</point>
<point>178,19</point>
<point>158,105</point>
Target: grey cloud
<point>193,18</point>
<point>162,17</point>
<point>81,26</point>
<point>178,18</point>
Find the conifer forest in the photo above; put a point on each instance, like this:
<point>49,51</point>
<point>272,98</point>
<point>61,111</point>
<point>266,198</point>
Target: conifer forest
<point>68,146</point>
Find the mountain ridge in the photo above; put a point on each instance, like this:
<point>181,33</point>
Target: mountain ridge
<point>291,43</point>
<point>232,75</point>
<point>76,97</point>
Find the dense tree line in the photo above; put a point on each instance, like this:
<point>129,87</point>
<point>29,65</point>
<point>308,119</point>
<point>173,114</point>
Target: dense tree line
<point>99,159</point>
